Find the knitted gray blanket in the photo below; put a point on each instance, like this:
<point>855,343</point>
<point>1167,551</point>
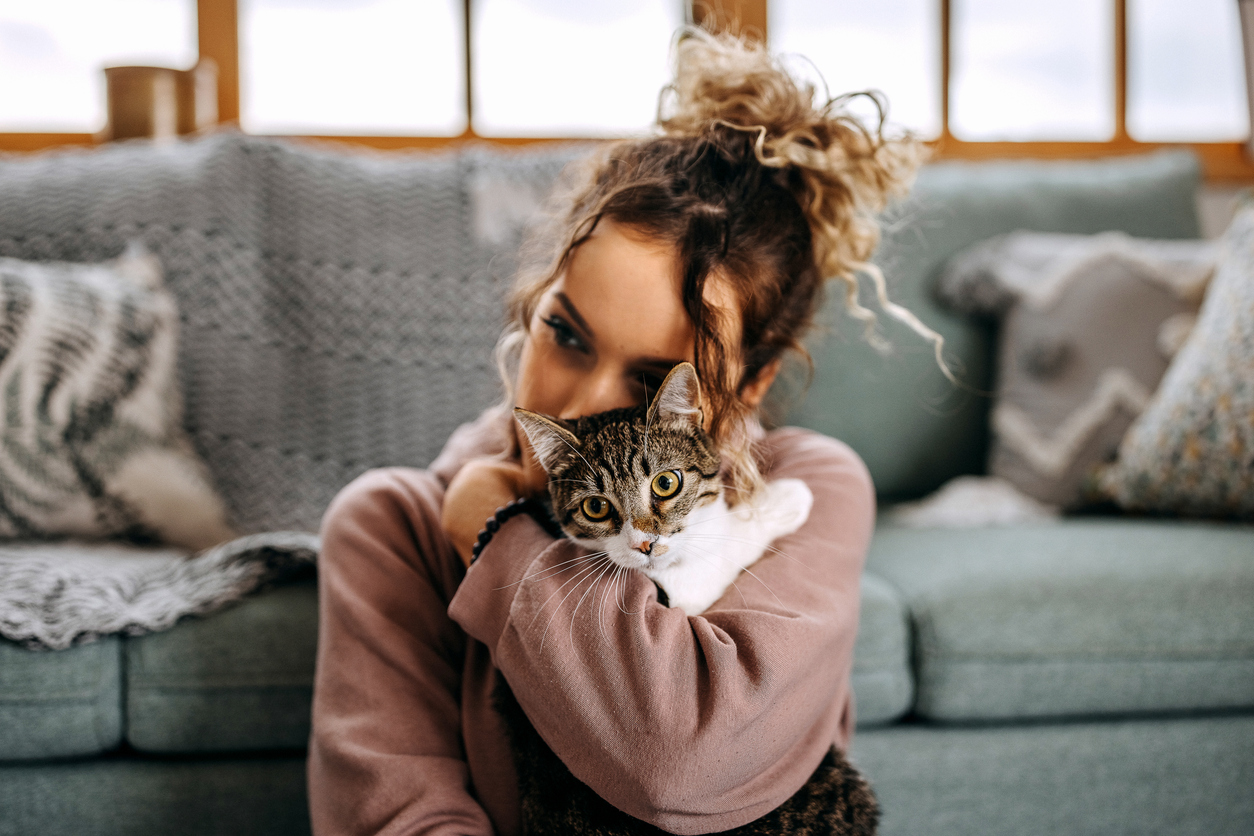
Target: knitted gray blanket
<point>56,595</point>
<point>337,312</point>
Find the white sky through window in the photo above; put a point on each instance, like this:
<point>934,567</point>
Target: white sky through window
<point>53,52</point>
<point>352,67</point>
<point>570,67</point>
<point>1032,70</point>
<point>1185,71</point>
<point>889,45</point>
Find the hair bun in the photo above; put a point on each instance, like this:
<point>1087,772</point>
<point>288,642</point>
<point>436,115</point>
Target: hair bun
<point>845,171</point>
<point>723,82</point>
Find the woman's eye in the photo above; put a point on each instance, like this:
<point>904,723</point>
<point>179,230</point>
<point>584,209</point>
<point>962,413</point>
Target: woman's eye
<point>667,483</point>
<point>563,334</point>
<point>596,508</point>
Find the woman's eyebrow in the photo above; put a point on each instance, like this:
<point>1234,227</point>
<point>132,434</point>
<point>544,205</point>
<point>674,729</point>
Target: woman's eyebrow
<point>574,314</point>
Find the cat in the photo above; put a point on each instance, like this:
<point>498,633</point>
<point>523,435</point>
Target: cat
<point>642,486</point>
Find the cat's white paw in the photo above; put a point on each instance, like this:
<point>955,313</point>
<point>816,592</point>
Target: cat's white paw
<point>691,606</point>
<point>785,506</point>
<point>695,583</point>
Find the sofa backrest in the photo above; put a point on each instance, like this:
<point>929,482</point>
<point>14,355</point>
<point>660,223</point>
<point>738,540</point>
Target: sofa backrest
<point>339,310</point>
<point>913,428</point>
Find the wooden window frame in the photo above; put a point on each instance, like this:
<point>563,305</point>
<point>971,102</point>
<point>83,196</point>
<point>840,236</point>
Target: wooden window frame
<point>218,36</point>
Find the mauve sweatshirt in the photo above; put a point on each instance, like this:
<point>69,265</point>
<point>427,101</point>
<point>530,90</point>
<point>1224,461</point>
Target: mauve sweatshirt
<point>696,725</point>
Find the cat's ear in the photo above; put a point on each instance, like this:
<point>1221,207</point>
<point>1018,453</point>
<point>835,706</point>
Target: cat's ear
<point>679,397</point>
<point>549,440</point>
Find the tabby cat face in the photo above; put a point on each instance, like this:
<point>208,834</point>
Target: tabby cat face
<point>625,481</point>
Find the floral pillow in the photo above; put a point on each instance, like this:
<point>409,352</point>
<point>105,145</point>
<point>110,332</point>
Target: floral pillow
<point>1192,449</point>
<point>91,438</point>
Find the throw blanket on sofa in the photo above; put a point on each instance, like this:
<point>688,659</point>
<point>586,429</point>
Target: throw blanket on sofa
<point>55,595</point>
<point>338,312</point>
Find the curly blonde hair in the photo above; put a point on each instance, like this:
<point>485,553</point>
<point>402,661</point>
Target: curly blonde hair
<point>750,182</point>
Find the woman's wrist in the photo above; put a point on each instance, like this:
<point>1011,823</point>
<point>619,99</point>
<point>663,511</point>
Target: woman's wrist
<point>526,505</point>
<point>481,486</point>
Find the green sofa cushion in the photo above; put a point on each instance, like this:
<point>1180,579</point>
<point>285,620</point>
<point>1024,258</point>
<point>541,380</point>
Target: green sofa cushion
<point>912,427</point>
<point>1183,776</point>
<point>882,686</point>
<point>242,679</point>
<point>60,703</point>
<point>239,679</point>
<point>1085,617</point>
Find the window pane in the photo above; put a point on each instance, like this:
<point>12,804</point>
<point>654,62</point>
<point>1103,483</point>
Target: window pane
<point>1186,79</point>
<point>1032,70</point>
<point>889,45</point>
<point>570,67</point>
<point>52,53</point>
<point>352,67</point>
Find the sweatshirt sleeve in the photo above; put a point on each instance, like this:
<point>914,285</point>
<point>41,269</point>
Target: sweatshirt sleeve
<point>694,724</point>
<point>385,751</point>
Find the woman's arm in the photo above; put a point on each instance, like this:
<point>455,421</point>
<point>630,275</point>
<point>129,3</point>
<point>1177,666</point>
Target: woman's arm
<point>385,753</point>
<point>693,724</point>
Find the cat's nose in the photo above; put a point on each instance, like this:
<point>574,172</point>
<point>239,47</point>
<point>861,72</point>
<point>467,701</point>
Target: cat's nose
<point>645,547</point>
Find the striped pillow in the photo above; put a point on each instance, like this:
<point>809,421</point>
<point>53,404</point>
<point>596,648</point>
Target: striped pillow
<point>91,441</point>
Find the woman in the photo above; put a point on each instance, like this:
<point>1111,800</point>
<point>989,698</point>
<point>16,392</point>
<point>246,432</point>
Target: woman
<point>708,244</point>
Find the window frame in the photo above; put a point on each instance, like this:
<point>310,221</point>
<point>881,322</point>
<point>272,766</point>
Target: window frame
<point>218,38</point>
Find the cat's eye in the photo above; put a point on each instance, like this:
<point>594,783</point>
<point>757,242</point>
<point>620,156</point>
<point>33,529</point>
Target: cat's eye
<point>596,508</point>
<point>667,483</point>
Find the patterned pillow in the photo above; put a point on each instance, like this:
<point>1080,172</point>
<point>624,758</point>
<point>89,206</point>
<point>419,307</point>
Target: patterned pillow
<point>91,441</point>
<point>1192,450</point>
<point>1088,324</point>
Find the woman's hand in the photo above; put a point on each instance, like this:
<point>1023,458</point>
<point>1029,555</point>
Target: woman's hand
<point>478,489</point>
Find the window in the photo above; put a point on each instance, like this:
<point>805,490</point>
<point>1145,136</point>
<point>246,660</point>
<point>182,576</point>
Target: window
<point>985,78</point>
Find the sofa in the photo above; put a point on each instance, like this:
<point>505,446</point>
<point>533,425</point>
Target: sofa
<point>1091,675</point>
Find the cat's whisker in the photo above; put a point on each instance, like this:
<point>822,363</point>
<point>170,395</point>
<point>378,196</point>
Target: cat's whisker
<point>582,572</point>
<point>556,566</point>
<point>558,608</point>
<point>578,603</point>
<point>620,593</point>
<point>587,573</point>
<point>615,579</point>
<point>601,611</point>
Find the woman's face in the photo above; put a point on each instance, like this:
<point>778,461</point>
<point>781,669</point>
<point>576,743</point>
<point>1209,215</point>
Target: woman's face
<point>608,329</point>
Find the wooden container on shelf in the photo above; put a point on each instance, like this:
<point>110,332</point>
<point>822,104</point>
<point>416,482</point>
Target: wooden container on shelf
<point>160,102</point>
